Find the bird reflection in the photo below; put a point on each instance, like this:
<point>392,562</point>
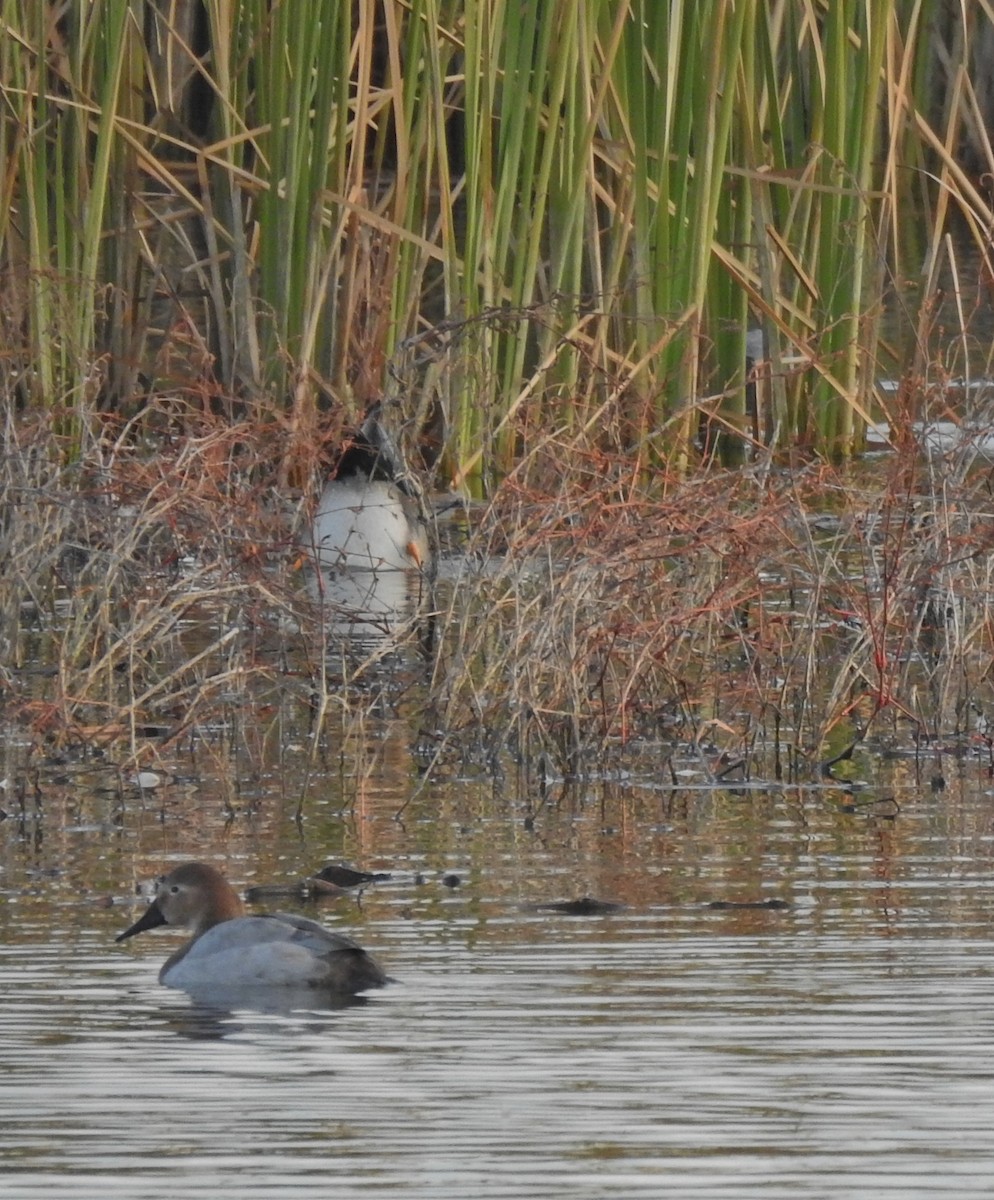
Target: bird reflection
<point>212,1014</point>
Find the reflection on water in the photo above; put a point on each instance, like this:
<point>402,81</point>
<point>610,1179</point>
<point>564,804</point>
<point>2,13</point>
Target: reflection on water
<point>367,606</point>
<point>842,1046</point>
<point>211,1008</point>
<point>707,1064</point>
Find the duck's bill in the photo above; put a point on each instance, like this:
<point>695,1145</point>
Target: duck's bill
<point>151,918</point>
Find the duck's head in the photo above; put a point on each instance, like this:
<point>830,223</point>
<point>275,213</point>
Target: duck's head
<point>371,453</point>
<point>193,896</point>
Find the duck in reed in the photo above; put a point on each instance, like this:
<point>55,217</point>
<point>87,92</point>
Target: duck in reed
<point>372,514</point>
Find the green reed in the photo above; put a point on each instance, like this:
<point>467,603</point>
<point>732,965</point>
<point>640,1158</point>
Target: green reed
<point>592,200</point>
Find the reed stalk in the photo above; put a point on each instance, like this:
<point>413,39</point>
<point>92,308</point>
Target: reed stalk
<point>606,195</point>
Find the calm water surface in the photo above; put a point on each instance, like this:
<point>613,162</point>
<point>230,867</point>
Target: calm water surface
<point>842,1047</point>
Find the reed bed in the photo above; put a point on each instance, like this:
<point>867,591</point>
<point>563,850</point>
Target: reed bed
<point>267,202</point>
<point>225,229</point>
<point>762,618</point>
<point>757,619</point>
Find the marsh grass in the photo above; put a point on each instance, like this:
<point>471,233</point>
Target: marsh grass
<point>601,599</point>
<point>126,575</point>
<point>552,222</point>
<point>754,620</point>
<point>269,201</point>
<point>758,617</point>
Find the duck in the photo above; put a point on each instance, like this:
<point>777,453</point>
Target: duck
<point>372,514</point>
<point>228,949</point>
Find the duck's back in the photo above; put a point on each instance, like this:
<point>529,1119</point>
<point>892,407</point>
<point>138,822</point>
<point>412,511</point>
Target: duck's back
<point>277,950</point>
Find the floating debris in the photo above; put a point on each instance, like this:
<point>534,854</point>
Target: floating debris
<point>585,906</point>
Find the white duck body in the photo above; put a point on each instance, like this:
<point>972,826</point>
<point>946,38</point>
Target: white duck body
<point>368,524</point>
<point>371,515</point>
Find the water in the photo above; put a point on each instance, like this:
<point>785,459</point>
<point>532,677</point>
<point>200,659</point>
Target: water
<point>841,1047</point>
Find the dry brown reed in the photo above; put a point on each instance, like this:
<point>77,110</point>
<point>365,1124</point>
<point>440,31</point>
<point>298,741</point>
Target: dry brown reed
<point>131,576</point>
<point>760,615</point>
<point>597,604</point>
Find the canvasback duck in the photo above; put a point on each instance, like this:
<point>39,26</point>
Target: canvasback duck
<point>371,515</point>
<point>230,949</point>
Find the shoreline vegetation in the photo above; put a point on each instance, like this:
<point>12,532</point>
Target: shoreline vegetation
<point>649,262</point>
<point>770,619</point>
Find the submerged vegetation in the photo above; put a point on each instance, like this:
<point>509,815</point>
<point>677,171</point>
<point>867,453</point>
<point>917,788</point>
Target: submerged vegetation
<point>651,263</point>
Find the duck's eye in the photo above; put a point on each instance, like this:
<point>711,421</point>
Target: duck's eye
<point>175,889</point>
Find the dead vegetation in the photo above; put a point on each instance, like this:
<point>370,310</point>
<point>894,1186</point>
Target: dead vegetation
<point>755,615</point>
